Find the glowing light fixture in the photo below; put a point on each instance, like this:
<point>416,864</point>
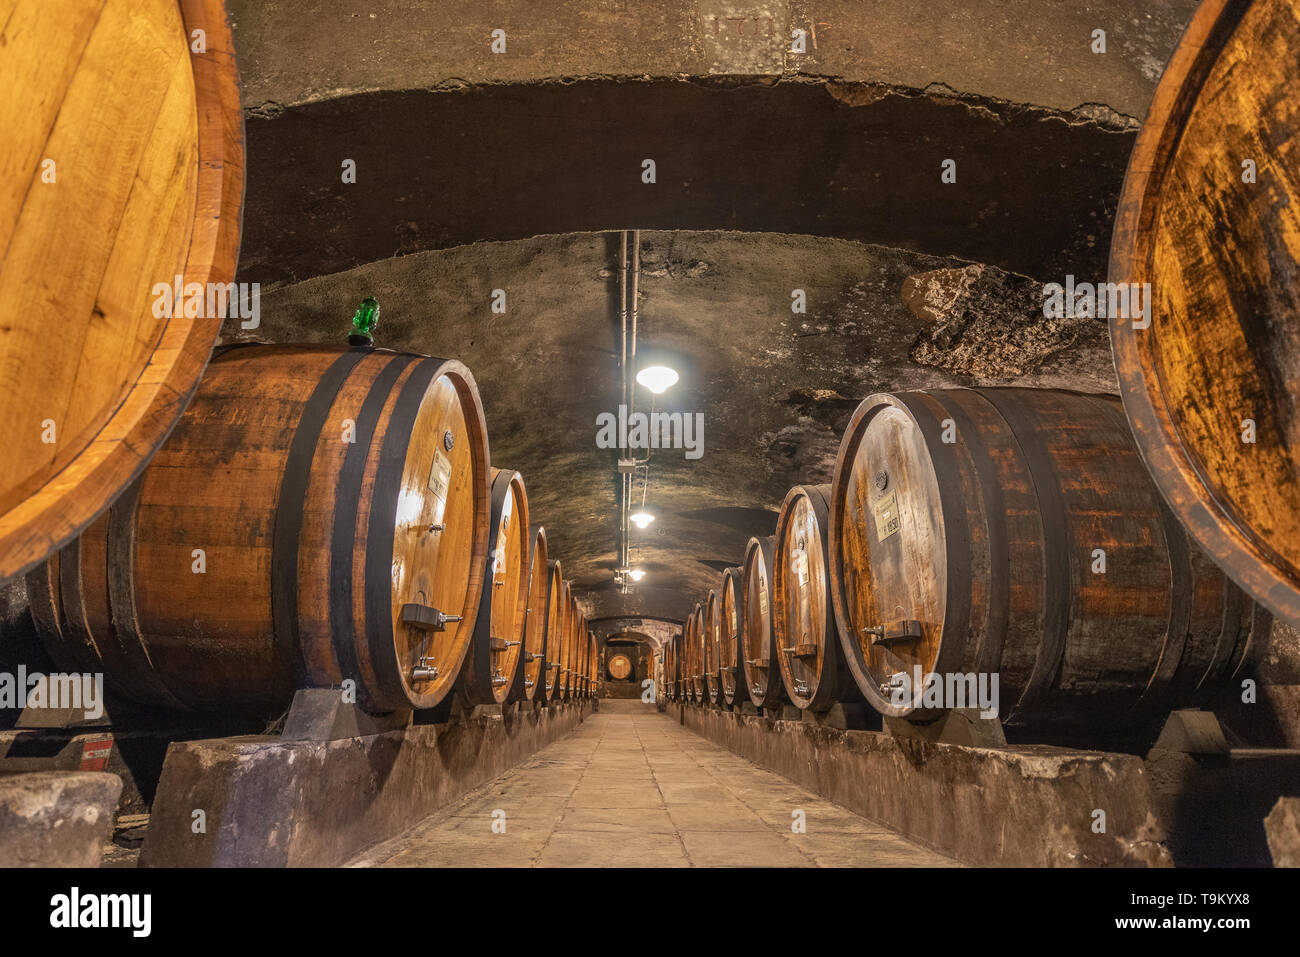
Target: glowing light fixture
<point>641,519</point>
<point>636,574</point>
<point>657,378</point>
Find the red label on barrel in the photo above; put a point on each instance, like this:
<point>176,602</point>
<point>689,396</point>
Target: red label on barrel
<point>94,754</point>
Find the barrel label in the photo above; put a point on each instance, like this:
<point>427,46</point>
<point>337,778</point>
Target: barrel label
<point>440,475</point>
<point>887,522</point>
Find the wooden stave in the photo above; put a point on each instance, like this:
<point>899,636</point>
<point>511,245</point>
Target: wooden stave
<point>731,609</point>
<point>298,650</point>
<point>475,683</point>
<point>1210,514</point>
<point>833,683</point>
<point>111,451</point>
<point>1036,701</point>
<point>760,647</point>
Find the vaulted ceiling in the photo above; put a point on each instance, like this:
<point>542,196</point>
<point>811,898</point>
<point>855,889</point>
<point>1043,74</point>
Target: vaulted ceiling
<point>774,172</point>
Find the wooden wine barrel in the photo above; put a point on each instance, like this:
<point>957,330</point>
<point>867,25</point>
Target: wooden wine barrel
<point>672,666</point>
<point>313,514</point>
<point>665,685</point>
<point>575,651</point>
<point>555,625</point>
<point>492,673</point>
<point>730,611</point>
<point>123,168</point>
<point>1033,546</point>
<point>807,646</point>
<point>537,616</point>
<point>677,669</point>
<point>588,673</point>
<point>759,654</point>
<point>560,683</point>
<point>695,652</point>
<point>712,648</point>
<point>619,667</point>
<point>580,653</point>
<point>686,686</point>
<point>1210,218</point>
<point>575,656</point>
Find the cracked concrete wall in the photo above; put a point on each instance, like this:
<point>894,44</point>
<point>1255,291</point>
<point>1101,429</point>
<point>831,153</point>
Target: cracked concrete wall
<point>455,144</point>
<point>1020,51</point>
<point>1035,193</point>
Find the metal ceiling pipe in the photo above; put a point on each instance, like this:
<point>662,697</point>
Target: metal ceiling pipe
<point>628,293</point>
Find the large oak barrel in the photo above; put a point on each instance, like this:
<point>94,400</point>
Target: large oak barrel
<point>588,673</point>
<point>319,515</point>
<point>539,608</point>
<point>685,684</point>
<point>122,169</point>
<point>666,686</point>
<point>575,652</point>
<point>712,648</point>
<point>695,653</point>
<point>760,656</point>
<point>732,655</point>
<point>619,667</point>
<point>570,644</point>
<point>1210,218</point>
<point>558,658</point>
<point>672,658</point>
<point>555,625</point>
<point>808,648</point>
<point>580,652</point>
<point>1015,532</point>
<point>492,672</point>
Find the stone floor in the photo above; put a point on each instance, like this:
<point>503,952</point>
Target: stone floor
<point>639,790</point>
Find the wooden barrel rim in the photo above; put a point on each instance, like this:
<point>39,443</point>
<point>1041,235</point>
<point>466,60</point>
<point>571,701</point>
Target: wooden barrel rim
<point>381,540</point>
<point>113,453</point>
<point>1211,523</point>
<point>914,406</point>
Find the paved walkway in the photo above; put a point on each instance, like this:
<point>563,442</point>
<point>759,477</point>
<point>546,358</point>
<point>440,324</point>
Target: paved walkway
<point>639,790</point>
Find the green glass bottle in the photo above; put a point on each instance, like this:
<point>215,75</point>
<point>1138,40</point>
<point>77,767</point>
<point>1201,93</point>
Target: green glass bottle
<point>364,323</point>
